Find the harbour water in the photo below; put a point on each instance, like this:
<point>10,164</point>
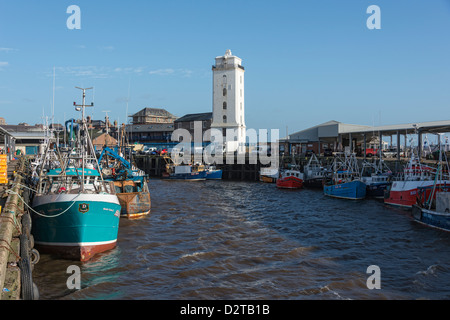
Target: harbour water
<point>249,240</point>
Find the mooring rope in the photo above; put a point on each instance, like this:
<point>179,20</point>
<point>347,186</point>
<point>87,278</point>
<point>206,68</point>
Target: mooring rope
<point>22,185</point>
<point>38,213</point>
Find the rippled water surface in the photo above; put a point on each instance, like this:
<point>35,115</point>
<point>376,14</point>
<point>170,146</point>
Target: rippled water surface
<point>248,240</point>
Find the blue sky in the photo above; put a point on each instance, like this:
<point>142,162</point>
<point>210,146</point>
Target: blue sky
<point>306,62</point>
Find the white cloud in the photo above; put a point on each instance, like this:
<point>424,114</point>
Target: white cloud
<point>180,72</point>
<point>85,71</point>
<point>186,73</point>
<point>107,48</point>
<point>7,49</point>
<point>162,72</point>
<point>3,64</point>
<point>129,69</point>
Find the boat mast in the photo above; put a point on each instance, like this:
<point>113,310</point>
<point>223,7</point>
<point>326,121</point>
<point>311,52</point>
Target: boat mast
<point>83,123</point>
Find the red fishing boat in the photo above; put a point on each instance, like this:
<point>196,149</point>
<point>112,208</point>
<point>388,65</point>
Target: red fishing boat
<point>290,179</point>
<point>404,190</point>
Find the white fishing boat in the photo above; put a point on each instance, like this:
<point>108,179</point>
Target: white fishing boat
<point>433,202</point>
<point>314,173</point>
<point>377,177</point>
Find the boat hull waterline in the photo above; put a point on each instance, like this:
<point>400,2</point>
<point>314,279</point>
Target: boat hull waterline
<point>190,176</point>
<point>438,220</point>
<point>214,174</point>
<point>354,190</point>
<point>134,204</point>
<point>404,193</point>
<point>289,183</point>
<point>76,226</point>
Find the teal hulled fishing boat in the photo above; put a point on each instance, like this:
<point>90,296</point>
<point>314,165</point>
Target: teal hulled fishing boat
<point>75,212</point>
<point>73,224</point>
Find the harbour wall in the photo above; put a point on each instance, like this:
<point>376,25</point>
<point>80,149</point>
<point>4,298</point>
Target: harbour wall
<point>17,253</point>
<point>154,165</point>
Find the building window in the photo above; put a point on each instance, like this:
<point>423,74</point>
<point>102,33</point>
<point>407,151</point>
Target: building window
<point>241,93</point>
<point>224,105</point>
<point>224,92</point>
<point>241,106</point>
<point>224,79</point>
<point>224,119</point>
<point>192,124</point>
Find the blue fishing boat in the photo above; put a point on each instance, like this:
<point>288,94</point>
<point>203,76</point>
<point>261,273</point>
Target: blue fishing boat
<point>438,217</point>
<point>345,181</point>
<point>212,173</point>
<point>346,190</point>
<point>433,202</point>
<point>75,211</point>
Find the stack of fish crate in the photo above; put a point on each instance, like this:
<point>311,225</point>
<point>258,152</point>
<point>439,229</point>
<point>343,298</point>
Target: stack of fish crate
<point>3,169</point>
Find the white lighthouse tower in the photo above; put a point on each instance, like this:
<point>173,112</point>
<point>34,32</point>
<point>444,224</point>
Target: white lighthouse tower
<point>228,101</point>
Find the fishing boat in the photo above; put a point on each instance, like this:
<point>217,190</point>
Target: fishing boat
<point>345,181</point>
<point>404,189</point>
<point>130,183</point>
<point>75,211</point>
<point>268,174</point>
<point>433,202</point>
<point>290,179</point>
<point>212,173</point>
<point>438,215</point>
<point>377,177</point>
<point>314,173</point>
<point>186,172</point>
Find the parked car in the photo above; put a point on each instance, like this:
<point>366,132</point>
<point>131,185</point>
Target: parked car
<point>390,153</point>
<point>151,150</point>
<point>370,152</point>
